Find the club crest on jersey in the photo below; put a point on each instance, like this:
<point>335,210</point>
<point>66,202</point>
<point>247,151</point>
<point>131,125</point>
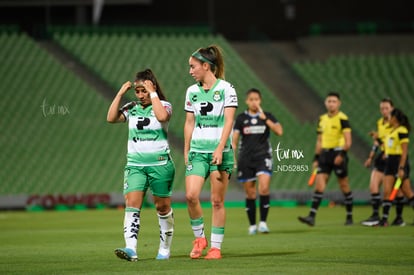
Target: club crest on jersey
<point>254,120</point>
<point>217,96</point>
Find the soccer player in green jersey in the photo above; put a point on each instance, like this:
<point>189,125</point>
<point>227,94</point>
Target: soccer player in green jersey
<point>149,164</point>
<point>210,106</point>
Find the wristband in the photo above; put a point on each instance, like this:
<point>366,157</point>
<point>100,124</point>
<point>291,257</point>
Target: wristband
<point>153,95</point>
<point>316,157</point>
<point>374,148</point>
<point>401,167</point>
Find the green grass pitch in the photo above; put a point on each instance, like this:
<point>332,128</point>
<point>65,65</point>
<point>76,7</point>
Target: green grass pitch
<point>82,242</point>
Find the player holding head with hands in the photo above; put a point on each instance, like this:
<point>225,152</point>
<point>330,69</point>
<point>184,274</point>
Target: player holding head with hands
<point>255,162</point>
<point>210,106</point>
<point>332,144</point>
<point>149,164</point>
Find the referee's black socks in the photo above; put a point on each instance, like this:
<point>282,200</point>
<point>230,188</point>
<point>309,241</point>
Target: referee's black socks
<point>386,206</point>
<point>376,203</point>
<point>316,201</point>
<point>348,204</point>
<point>399,206</point>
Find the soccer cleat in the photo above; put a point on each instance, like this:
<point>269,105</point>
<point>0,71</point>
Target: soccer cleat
<point>383,223</point>
<point>162,256</point>
<point>398,222</point>
<point>308,220</point>
<point>252,230</point>
<point>126,254</point>
<point>371,221</point>
<point>199,244</point>
<point>349,221</point>
<point>213,254</point>
<point>263,227</point>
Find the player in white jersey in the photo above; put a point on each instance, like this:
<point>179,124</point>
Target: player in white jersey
<point>149,164</point>
<point>210,106</point>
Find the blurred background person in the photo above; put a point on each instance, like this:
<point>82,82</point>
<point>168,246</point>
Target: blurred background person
<point>254,159</point>
<point>397,166</point>
<point>377,159</point>
<point>332,144</point>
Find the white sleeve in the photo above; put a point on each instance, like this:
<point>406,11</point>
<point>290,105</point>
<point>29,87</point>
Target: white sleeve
<point>230,97</point>
<point>188,106</point>
<point>167,106</point>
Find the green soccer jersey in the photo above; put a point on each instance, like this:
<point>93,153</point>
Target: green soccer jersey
<point>208,108</point>
<point>147,137</point>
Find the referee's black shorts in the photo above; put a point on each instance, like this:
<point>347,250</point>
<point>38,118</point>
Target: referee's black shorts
<point>392,164</point>
<point>326,163</point>
<point>379,162</point>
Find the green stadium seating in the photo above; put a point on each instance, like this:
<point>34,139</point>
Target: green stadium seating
<point>46,150</point>
<point>363,80</point>
<point>78,152</point>
<point>167,54</point>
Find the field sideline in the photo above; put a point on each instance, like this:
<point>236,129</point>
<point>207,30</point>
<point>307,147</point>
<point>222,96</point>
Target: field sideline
<point>82,242</point>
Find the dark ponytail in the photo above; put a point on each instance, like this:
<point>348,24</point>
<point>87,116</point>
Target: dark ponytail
<point>402,118</point>
<point>147,74</point>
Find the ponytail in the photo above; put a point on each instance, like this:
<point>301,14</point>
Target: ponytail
<point>213,55</point>
<point>402,118</point>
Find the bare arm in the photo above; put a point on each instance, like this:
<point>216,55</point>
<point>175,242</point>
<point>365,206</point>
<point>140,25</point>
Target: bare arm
<point>275,127</point>
<point>235,140</point>
<point>318,149</point>
<point>371,155</point>
<point>188,132</point>
<point>403,160</point>
<point>159,110</point>
<point>234,143</point>
<point>225,134</point>
<point>114,115</point>
<point>348,141</point>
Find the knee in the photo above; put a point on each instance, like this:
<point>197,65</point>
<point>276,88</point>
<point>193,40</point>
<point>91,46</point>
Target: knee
<point>163,209</point>
<point>217,202</point>
<point>132,202</point>
<point>191,198</point>
<point>264,191</point>
<point>251,194</point>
